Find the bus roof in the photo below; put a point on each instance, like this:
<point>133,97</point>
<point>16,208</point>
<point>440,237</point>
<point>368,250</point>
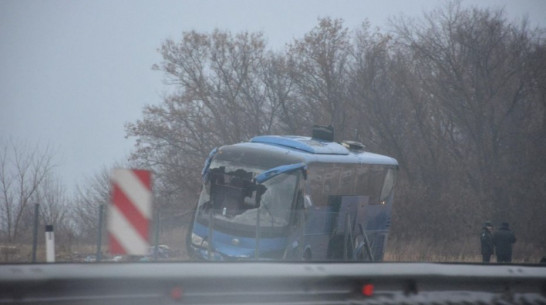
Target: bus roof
<point>311,150</point>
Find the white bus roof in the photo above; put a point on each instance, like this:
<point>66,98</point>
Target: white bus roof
<point>314,150</point>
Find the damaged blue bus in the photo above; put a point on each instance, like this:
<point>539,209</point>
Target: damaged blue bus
<point>293,198</point>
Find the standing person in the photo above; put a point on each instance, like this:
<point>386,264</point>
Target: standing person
<point>503,239</point>
<point>486,239</point>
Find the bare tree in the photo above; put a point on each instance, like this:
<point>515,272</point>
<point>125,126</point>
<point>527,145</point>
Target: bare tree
<point>279,90</point>
<point>219,97</point>
<point>22,171</point>
<point>458,99</point>
<point>54,204</point>
<point>319,67</point>
<point>93,193</point>
<point>474,75</point>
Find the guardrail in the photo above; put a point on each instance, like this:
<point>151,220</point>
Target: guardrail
<point>272,283</point>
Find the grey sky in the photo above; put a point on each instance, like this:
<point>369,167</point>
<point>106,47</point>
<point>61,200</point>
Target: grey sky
<point>72,73</point>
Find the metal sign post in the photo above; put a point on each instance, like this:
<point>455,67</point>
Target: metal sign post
<point>35,231</point>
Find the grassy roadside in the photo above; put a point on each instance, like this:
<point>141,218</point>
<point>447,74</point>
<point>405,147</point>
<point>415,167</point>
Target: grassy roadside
<point>416,250</point>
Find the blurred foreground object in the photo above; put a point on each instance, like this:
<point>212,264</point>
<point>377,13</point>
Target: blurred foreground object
<point>272,283</point>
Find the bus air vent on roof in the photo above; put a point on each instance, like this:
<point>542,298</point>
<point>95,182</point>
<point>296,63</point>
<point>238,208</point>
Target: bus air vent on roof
<point>353,145</point>
<point>323,133</point>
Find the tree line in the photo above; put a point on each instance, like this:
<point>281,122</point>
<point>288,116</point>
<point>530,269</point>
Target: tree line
<point>28,178</point>
<point>458,97</point>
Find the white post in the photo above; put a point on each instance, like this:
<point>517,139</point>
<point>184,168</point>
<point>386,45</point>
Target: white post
<point>50,244</point>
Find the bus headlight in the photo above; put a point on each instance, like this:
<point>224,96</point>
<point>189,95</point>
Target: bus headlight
<point>196,239</point>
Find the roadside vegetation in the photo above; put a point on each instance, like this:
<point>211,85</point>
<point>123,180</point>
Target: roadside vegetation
<point>458,97</point>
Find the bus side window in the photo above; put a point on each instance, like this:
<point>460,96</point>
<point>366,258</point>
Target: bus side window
<point>315,181</point>
<point>370,182</point>
<point>388,185</point>
<point>346,180</point>
<point>331,180</point>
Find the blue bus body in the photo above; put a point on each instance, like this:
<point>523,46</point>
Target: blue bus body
<point>293,198</point>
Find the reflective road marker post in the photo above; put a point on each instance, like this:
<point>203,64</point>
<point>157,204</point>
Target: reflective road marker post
<point>130,211</point>
<point>50,244</point>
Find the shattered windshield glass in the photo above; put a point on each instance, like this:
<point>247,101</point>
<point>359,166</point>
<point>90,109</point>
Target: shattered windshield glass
<point>232,196</point>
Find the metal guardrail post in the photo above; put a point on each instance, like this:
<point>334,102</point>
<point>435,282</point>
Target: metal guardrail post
<point>99,234</point>
<point>156,233</point>
<point>35,231</point>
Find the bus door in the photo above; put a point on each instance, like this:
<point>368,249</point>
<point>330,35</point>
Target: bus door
<point>376,227</point>
<point>348,235</point>
<point>295,242</point>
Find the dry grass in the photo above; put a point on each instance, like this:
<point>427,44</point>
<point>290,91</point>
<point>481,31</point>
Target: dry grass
<point>419,250</point>
<point>457,251</point>
<point>176,240</point>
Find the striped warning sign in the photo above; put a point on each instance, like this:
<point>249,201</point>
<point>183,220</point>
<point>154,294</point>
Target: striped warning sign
<point>130,211</point>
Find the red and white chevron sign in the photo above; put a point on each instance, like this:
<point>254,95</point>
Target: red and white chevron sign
<point>130,211</point>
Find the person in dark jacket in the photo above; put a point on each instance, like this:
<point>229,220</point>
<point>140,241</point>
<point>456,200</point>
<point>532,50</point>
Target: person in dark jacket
<point>503,239</point>
<point>486,239</point>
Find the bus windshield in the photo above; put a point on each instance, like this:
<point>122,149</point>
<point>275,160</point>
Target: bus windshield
<point>230,196</point>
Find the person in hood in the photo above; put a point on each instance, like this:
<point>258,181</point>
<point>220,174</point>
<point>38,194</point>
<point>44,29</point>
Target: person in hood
<point>486,239</point>
<point>503,239</point>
